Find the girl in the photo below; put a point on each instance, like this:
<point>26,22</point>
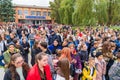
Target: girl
<point>41,70</point>
<point>89,72</point>
<point>62,69</point>
<point>17,69</point>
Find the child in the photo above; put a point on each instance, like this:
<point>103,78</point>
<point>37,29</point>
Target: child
<point>89,72</point>
<point>100,65</point>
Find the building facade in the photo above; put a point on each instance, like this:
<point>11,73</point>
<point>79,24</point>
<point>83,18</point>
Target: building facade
<point>32,14</point>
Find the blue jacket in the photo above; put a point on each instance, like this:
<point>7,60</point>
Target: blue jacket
<point>1,58</point>
<point>53,48</point>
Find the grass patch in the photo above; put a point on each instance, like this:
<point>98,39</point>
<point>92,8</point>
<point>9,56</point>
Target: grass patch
<point>83,27</point>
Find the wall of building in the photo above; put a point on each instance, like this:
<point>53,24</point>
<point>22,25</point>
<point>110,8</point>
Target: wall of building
<point>29,14</point>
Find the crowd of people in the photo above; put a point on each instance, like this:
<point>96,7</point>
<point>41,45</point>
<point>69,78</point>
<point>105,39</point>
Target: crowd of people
<point>59,53</point>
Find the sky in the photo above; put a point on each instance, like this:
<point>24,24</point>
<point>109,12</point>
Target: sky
<point>32,2</point>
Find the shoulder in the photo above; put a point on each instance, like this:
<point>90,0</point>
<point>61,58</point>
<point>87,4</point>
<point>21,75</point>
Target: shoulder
<point>32,71</point>
<point>6,53</point>
<point>50,46</point>
<point>47,67</point>
<point>8,73</point>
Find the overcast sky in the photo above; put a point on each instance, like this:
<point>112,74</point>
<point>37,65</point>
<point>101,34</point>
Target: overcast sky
<point>32,2</point>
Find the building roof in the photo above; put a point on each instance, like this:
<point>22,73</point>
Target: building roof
<point>30,6</point>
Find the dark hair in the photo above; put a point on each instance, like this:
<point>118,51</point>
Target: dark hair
<point>35,44</point>
<point>64,67</point>
<point>43,44</point>
<point>56,40</point>
<point>118,55</point>
<point>39,56</point>
<point>15,40</point>
<point>12,67</point>
<point>1,36</point>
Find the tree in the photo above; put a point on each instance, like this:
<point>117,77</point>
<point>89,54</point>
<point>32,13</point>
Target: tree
<point>84,12</point>
<point>66,10</point>
<point>6,11</point>
<point>101,11</point>
<point>55,10</point>
<point>113,11</point>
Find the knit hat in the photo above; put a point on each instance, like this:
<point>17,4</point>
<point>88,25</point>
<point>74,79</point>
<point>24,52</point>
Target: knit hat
<point>98,54</point>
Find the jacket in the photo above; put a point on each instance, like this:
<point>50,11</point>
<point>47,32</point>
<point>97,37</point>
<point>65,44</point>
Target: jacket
<point>8,75</point>
<point>26,45</point>
<point>7,55</point>
<point>86,73</point>
<point>35,75</point>
<point>77,65</point>
<point>51,38</point>
<point>83,55</point>
<point>100,68</point>
<point>33,54</point>
<point>53,48</point>
<point>114,72</point>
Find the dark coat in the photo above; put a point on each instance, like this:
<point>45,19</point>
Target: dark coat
<point>34,52</point>
<point>53,48</point>
<point>83,55</point>
<point>48,52</point>
<point>92,51</point>
<point>51,38</point>
<point>8,75</point>
<point>26,45</point>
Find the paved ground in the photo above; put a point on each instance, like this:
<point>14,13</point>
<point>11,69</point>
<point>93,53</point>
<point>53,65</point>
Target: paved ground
<point>1,73</point>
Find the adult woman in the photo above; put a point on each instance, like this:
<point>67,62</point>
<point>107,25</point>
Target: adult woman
<point>55,46</point>
<point>41,70</point>
<point>83,53</point>
<point>65,53</point>
<point>35,50</point>
<point>2,48</point>
<point>108,56</point>
<point>75,61</point>
<point>3,43</point>
<point>17,69</point>
<point>114,72</point>
<point>26,47</point>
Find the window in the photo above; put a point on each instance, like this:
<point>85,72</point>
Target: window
<point>49,13</point>
<point>44,13</point>
<point>38,13</point>
<point>19,12</point>
<point>26,12</point>
<point>32,12</point>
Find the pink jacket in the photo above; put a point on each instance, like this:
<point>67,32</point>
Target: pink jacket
<point>101,68</point>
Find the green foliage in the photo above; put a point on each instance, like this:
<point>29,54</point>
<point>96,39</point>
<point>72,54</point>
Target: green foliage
<point>86,12</point>
<point>66,11</point>
<point>6,11</point>
<point>55,10</point>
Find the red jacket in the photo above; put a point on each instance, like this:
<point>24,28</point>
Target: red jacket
<point>35,75</point>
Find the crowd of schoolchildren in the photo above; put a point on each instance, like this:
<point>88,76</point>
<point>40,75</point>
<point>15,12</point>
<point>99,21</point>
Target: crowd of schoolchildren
<point>59,53</point>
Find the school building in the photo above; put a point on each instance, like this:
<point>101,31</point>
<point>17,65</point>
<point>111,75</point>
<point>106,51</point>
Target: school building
<point>32,14</point>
